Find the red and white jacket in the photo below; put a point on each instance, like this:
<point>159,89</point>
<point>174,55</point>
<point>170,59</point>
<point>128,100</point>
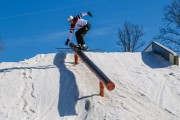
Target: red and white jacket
<point>78,22</point>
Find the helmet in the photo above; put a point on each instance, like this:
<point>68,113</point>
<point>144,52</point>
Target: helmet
<point>70,18</point>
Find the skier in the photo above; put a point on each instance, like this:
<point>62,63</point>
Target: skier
<point>83,25</point>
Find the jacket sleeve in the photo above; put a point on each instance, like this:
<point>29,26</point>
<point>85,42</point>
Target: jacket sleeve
<point>84,13</point>
<point>71,32</point>
<point>81,15</point>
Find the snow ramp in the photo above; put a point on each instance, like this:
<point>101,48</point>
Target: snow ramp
<point>52,87</point>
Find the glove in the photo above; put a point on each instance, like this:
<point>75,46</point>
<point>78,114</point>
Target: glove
<point>67,41</point>
<point>89,13</point>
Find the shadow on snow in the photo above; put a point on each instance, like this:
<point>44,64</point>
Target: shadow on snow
<point>68,91</point>
<point>154,60</point>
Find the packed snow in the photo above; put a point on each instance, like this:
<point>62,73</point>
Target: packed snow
<point>52,87</point>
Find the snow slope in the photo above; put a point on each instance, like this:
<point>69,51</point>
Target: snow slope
<point>51,87</point>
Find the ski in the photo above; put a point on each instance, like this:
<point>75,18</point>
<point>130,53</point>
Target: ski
<point>61,48</point>
<point>69,50</point>
<point>91,50</point>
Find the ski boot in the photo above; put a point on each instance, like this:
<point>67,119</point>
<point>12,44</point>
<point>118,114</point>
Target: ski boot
<point>78,47</point>
<point>84,47</point>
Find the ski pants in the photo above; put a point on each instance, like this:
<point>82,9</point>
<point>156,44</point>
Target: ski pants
<point>81,33</point>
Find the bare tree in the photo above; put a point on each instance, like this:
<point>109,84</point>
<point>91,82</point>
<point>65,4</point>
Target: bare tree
<point>170,34</point>
<point>130,37</point>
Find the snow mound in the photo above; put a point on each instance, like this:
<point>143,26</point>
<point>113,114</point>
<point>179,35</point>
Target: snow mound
<point>51,87</point>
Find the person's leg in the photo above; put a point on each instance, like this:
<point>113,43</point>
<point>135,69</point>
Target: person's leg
<point>81,33</point>
<point>86,28</point>
<point>79,37</point>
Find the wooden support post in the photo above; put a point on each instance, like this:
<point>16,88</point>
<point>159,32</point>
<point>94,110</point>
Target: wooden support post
<point>101,89</point>
<point>75,58</point>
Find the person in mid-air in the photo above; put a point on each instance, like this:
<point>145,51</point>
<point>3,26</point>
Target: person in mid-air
<point>83,27</point>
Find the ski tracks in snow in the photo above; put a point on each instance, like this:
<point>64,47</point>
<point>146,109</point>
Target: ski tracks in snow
<point>27,94</point>
<point>22,88</point>
<point>38,94</point>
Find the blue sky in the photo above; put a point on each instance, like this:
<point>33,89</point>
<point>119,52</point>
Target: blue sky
<point>31,27</point>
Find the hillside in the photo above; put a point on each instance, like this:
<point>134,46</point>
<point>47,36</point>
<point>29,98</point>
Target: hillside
<point>51,87</point>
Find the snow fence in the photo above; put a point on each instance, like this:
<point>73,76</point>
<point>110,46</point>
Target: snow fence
<point>165,52</point>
